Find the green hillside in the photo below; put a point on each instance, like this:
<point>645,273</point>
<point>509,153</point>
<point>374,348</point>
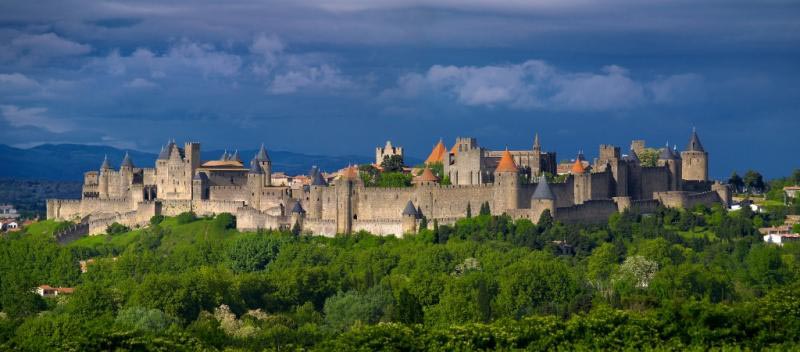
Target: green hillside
<point>673,280</point>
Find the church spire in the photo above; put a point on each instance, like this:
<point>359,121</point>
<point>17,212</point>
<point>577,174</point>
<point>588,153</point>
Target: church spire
<point>536,145</point>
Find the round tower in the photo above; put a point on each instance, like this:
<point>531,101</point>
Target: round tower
<point>672,160</point>
<point>344,200</point>
<point>266,165</point>
<point>316,192</point>
<point>102,187</point>
<point>255,182</point>
<point>506,184</point>
<point>297,216</point>
<point>409,218</point>
<point>542,199</point>
<point>694,160</point>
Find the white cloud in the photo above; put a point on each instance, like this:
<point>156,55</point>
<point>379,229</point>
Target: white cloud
<point>536,84</point>
<point>35,48</point>
<point>267,49</point>
<point>314,77</point>
<point>140,83</point>
<point>678,88</point>
<point>17,81</point>
<point>34,117</point>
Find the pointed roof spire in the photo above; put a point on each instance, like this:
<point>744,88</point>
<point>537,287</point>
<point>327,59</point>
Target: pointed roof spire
<point>577,166</point>
<point>106,165</point>
<point>543,190</point>
<point>388,144</point>
<point>126,161</point>
<point>427,176</point>
<point>316,177</point>
<point>350,173</point>
<point>409,210</point>
<point>262,154</point>
<point>536,144</point>
<point>163,154</point>
<point>507,163</point>
<point>235,156</point>
<point>437,154</point>
<point>224,155</point>
<point>694,143</point>
<point>255,168</point>
<point>666,153</point>
<point>297,208</point>
<point>633,157</point>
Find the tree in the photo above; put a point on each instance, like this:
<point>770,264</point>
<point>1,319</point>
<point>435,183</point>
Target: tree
<point>485,210</point>
<point>648,157</point>
<point>408,309</point>
<point>754,181</point>
<point>795,179</point>
<point>392,163</point>
<point>225,221</point>
<point>469,210</point>
<point>348,308</point>
<point>545,220</point>
<point>296,229</point>
<point>186,217</point>
<point>117,228</point>
<point>736,182</point>
<point>253,252</point>
<point>602,264</point>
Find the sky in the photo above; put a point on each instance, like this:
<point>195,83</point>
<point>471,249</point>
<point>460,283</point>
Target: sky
<point>342,76</point>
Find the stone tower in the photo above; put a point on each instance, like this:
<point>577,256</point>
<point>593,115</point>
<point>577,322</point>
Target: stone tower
<point>506,184</point>
<point>126,174</point>
<point>387,151</point>
<point>670,159</point>
<point>344,188</point>
<point>103,180</point>
<point>266,165</point>
<point>695,160</point>
<point>315,193</point>
<point>255,182</point>
<point>542,199</point>
<point>410,216</point>
<point>581,181</point>
<point>298,215</point>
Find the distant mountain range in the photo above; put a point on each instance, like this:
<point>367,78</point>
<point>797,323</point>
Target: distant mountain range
<point>68,162</point>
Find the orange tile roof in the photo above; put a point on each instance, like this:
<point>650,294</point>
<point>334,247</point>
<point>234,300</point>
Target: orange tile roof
<point>454,149</point>
<point>577,167</point>
<point>350,173</point>
<point>427,176</point>
<point>506,163</point>
<point>437,154</point>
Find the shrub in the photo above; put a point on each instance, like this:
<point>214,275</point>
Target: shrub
<point>186,217</point>
<point>157,219</point>
<point>117,228</point>
<point>225,221</point>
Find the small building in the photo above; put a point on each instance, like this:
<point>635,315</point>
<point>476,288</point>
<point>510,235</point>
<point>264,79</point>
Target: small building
<point>780,239</point>
<point>48,291</point>
<point>7,211</point>
<point>791,191</point>
<point>9,225</point>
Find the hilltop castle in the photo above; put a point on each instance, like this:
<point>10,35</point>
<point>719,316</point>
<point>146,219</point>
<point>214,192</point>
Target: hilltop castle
<point>512,182</point>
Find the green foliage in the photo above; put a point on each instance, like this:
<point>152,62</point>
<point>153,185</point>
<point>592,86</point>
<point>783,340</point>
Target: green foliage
<point>667,280</point>
<point>648,157</point>
<point>254,252</point>
<point>116,229</point>
<point>753,182</point>
<point>225,221</point>
<point>393,163</point>
<point>485,210</point>
<point>157,219</point>
<point>185,218</point>
<point>345,309</point>
<point>393,179</point>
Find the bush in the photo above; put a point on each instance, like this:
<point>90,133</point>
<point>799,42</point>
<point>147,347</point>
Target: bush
<point>117,228</point>
<point>225,221</point>
<point>157,219</point>
<point>186,217</point>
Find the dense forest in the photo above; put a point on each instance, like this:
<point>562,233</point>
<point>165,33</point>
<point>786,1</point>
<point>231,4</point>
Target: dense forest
<point>671,280</point>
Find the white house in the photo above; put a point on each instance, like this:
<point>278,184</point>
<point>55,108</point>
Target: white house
<point>780,239</point>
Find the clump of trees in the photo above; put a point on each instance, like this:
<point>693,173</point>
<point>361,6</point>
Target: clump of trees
<point>673,279</point>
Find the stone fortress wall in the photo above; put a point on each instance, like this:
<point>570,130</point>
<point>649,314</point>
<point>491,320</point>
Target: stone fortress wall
<point>508,180</point>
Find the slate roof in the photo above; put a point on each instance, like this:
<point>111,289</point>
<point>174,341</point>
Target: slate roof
<point>410,210</point>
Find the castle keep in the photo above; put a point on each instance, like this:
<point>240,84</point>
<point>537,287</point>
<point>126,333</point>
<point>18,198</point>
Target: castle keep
<point>512,182</point>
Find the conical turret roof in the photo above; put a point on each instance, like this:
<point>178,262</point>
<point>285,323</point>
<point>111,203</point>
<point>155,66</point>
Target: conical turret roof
<point>316,177</point>
<point>633,157</point>
<point>255,168</point>
<point>507,163</point>
<point>536,144</point>
<point>262,154</point>
<point>409,210</point>
<point>163,154</point>
<point>297,208</point>
<point>666,153</point>
<point>106,164</point>
<point>577,167</point>
<point>126,161</point>
<point>543,190</point>
<point>427,176</point>
<point>694,143</point>
<point>236,157</point>
<point>437,154</point>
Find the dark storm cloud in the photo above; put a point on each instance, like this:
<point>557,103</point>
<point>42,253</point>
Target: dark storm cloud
<point>134,73</point>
